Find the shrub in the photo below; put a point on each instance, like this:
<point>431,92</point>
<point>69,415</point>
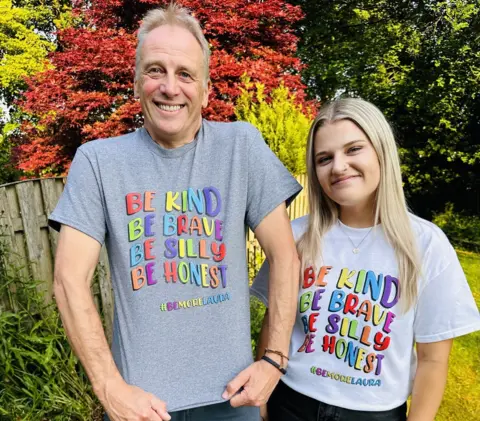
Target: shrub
<point>257,311</point>
<point>40,377</point>
<point>462,230</point>
<point>283,123</point>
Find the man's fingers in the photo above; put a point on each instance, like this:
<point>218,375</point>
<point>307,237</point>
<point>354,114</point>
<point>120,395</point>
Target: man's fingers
<point>161,409</point>
<point>235,385</point>
<point>153,416</point>
<point>240,399</point>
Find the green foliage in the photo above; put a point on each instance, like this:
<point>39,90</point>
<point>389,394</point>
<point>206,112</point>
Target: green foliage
<point>257,311</point>
<point>419,62</point>
<point>26,37</point>
<point>24,49</point>
<point>8,172</point>
<point>282,122</point>
<point>41,379</point>
<point>462,230</point>
<point>27,30</point>
<point>255,259</point>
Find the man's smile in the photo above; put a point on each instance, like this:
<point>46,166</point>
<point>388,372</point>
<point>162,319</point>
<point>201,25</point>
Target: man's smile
<point>168,107</point>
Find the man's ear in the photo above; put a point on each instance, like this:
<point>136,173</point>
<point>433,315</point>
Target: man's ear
<point>136,95</point>
<point>206,94</point>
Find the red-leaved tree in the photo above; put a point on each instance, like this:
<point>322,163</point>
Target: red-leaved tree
<point>89,93</point>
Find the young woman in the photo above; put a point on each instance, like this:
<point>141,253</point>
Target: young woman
<point>382,293</point>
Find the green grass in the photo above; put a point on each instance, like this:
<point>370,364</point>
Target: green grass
<point>461,400</point>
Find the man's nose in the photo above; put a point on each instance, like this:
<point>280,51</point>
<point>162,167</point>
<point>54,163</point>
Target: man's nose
<point>169,86</point>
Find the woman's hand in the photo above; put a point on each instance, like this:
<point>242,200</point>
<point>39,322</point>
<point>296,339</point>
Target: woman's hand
<point>430,380</point>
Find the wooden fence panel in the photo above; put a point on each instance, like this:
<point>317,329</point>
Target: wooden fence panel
<point>20,249</point>
<point>51,190</point>
<point>7,234</point>
<point>34,224</point>
<point>6,225</point>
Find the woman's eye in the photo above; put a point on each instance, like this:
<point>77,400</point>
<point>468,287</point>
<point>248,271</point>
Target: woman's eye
<point>354,149</point>
<point>323,160</point>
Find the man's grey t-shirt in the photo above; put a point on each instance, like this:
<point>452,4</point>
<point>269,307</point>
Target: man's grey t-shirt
<point>173,221</point>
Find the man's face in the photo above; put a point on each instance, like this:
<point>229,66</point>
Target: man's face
<point>171,85</point>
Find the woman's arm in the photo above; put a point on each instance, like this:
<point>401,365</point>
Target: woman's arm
<point>430,380</point>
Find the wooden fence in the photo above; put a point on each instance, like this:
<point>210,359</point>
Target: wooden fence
<point>24,209</point>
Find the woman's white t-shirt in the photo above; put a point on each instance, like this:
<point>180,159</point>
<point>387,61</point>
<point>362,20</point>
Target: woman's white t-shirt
<point>351,345</point>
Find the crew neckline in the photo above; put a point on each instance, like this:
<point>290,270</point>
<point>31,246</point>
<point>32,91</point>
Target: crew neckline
<point>353,231</point>
<point>166,152</point>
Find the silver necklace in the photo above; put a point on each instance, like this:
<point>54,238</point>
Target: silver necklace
<point>356,247</point>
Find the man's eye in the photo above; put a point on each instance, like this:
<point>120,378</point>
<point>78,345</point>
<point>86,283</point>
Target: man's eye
<point>185,75</point>
<point>154,70</point>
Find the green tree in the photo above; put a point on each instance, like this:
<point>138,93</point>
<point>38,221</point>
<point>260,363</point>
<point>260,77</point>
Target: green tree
<point>419,62</point>
<point>26,37</point>
<point>282,122</point>
<point>27,30</point>
<point>8,172</point>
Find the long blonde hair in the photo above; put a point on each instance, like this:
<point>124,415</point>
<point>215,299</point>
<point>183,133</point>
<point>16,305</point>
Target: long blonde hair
<point>390,206</point>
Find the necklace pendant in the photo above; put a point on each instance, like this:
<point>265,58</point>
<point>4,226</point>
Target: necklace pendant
<point>356,250</point>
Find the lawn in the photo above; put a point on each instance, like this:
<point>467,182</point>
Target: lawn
<point>462,396</point>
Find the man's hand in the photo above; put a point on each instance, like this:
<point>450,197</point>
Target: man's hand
<point>258,381</point>
<point>125,402</point>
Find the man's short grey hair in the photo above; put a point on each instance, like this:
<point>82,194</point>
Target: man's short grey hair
<point>173,14</point>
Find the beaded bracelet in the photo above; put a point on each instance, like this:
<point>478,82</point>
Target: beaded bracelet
<point>281,354</point>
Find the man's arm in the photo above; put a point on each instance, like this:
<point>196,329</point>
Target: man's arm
<point>76,259</point>
<point>430,380</point>
<point>261,346</point>
<point>275,236</point>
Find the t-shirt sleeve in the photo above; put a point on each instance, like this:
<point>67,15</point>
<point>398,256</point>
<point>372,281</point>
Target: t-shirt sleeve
<point>446,308</point>
<point>81,203</point>
<point>269,182</point>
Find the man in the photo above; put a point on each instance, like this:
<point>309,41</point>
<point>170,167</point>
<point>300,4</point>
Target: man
<point>171,201</point>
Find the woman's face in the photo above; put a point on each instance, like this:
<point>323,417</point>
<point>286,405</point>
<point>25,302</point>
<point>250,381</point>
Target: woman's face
<point>346,164</point>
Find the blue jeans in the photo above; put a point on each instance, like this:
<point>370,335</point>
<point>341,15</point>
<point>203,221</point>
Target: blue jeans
<point>286,404</point>
<point>218,412</point>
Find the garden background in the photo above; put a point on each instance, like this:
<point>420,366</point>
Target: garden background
<point>66,77</point>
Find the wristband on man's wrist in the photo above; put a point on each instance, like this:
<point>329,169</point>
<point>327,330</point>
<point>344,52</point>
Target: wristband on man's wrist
<point>274,363</point>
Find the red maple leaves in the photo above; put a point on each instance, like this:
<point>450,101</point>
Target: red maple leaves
<point>89,93</point>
